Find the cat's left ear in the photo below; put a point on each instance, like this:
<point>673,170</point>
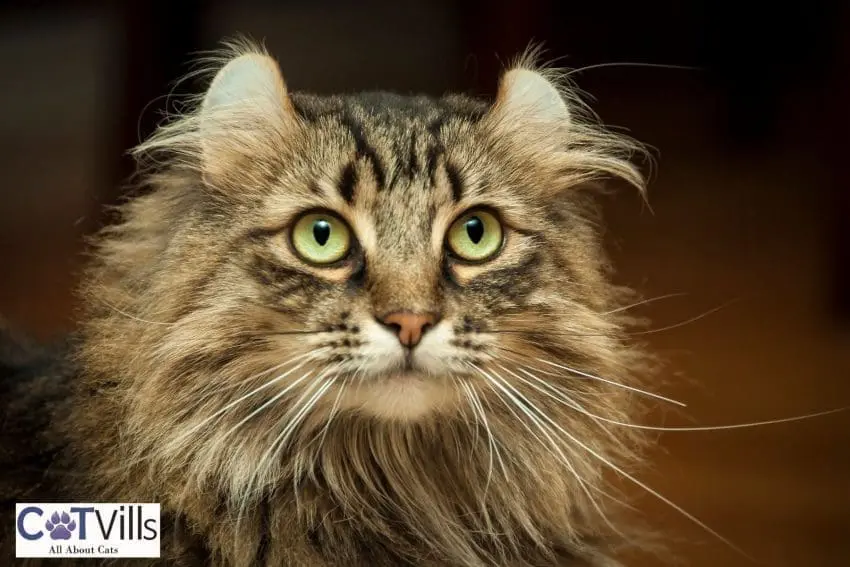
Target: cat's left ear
<point>245,111</point>
<point>536,120</point>
<point>528,100</point>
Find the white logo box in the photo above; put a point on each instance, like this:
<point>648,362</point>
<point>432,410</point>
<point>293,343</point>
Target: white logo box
<point>67,530</point>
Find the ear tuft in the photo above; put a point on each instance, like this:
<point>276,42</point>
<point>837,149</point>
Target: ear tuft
<point>245,114</point>
<point>236,128</point>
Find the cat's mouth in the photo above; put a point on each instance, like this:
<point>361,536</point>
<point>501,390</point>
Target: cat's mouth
<point>408,365</point>
<point>406,370</point>
<point>403,366</point>
<point>406,392</point>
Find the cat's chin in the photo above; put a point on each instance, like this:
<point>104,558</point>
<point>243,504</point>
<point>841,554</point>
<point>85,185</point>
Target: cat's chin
<point>401,396</point>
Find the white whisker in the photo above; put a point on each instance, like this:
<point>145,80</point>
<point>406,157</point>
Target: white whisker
<point>321,437</point>
<point>133,317</point>
<point>613,383</point>
<point>261,476</point>
<point>686,321</point>
<point>529,409</point>
<point>239,400</point>
<point>481,417</point>
<point>295,421</point>
<point>494,450</point>
<point>643,302</point>
<point>271,401</point>
<point>643,485</point>
<point>230,386</point>
<point>558,393</point>
<point>631,64</point>
<point>559,397</point>
<point>474,420</point>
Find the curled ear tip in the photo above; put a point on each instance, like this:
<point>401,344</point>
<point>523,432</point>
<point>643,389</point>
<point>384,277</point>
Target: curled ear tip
<point>531,91</point>
<point>243,77</point>
<point>246,65</point>
<point>525,72</point>
<point>529,80</point>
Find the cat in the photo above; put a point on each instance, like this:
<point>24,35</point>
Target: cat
<point>363,330</point>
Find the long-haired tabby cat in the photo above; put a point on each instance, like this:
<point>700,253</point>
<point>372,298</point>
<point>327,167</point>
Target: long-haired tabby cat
<point>356,331</point>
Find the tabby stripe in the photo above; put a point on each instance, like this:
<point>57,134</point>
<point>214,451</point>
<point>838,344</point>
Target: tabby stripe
<point>305,112</point>
<point>455,181</point>
<point>284,282</point>
<point>412,158</point>
<point>435,150</point>
<point>436,126</point>
<point>515,282</point>
<point>264,547</point>
<point>348,182</point>
<point>365,150</point>
<point>431,159</point>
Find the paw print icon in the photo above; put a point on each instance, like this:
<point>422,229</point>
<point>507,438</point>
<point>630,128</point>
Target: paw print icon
<point>60,526</point>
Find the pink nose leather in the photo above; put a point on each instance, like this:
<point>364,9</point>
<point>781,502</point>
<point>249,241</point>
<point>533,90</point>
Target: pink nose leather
<point>409,326</point>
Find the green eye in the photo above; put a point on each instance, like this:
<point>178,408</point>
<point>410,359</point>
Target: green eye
<point>475,236</point>
<point>321,238</point>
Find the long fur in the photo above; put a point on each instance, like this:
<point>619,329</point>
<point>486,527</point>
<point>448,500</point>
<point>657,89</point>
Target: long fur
<point>198,389</point>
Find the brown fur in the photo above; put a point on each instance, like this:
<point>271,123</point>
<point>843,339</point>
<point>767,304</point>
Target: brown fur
<point>195,298</point>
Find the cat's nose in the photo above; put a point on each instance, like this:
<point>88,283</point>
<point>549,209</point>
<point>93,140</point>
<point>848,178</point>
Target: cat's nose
<point>409,326</point>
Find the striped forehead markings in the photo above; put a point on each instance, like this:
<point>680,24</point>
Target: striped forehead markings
<point>407,161</point>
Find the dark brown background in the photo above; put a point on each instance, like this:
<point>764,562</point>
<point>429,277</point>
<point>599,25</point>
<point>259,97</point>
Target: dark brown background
<point>750,197</point>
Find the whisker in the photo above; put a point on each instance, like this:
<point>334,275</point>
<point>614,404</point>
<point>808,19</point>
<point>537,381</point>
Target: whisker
<point>480,417</point>
<point>580,373</point>
<point>687,321</point>
<point>644,302</point>
<point>183,436</point>
<point>707,428</point>
<point>566,399</point>
<point>548,332</point>
<point>239,400</point>
<point>331,415</point>
<point>631,64</point>
<point>494,450</point>
<point>631,333</point>
<point>242,382</point>
<point>226,387</point>
<point>282,439</point>
<point>321,442</point>
<point>131,316</point>
<point>474,421</point>
<point>530,410</point>
<point>471,423</point>
<point>613,383</point>
<point>294,332</point>
<point>643,485</point>
<point>542,371</point>
<point>271,401</point>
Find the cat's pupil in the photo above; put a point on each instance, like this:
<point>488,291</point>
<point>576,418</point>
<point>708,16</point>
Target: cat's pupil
<point>321,231</point>
<point>475,229</point>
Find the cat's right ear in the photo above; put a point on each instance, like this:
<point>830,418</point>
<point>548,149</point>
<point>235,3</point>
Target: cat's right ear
<point>246,111</point>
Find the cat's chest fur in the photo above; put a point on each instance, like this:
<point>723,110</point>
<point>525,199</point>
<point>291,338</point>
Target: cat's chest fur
<point>38,463</point>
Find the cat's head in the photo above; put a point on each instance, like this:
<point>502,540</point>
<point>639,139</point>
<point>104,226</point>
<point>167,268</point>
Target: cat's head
<point>397,260</point>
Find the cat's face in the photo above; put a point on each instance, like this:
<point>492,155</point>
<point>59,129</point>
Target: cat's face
<point>405,245</point>
<point>399,259</point>
<point>407,251</point>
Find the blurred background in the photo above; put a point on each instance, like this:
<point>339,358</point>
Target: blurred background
<point>750,200</point>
